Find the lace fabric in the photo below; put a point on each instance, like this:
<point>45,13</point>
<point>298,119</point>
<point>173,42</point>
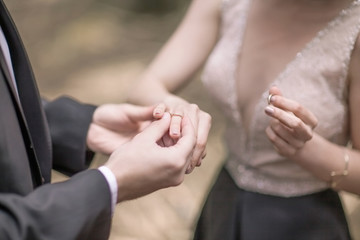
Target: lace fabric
<point>316,78</point>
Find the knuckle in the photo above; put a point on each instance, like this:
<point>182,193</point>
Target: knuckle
<point>276,127</point>
<point>194,107</point>
<point>207,116</point>
<point>178,180</point>
<point>298,108</point>
<point>272,138</point>
<point>177,164</point>
<point>299,145</point>
<point>200,144</point>
<point>296,123</point>
<point>316,122</point>
<point>309,135</point>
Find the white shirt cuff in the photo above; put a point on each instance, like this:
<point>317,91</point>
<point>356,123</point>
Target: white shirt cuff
<point>111,180</point>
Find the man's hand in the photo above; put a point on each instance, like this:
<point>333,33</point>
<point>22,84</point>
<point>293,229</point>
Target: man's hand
<point>115,124</point>
<point>143,165</point>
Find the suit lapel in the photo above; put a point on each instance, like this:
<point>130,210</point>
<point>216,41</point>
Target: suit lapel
<point>21,119</point>
<point>30,102</point>
<point>6,72</point>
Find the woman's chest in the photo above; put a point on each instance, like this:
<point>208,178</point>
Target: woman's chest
<point>271,41</point>
<point>309,65</point>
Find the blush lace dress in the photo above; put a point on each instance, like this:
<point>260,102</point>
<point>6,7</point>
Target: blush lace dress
<point>260,194</point>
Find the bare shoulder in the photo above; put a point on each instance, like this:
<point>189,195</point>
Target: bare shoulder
<point>354,96</point>
<point>212,7</point>
<point>354,68</point>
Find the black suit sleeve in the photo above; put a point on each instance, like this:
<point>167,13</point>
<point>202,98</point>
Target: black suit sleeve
<point>79,208</point>
<point>69,122</point>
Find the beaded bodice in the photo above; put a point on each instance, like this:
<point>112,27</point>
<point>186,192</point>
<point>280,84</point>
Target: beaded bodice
<point>316,78</point>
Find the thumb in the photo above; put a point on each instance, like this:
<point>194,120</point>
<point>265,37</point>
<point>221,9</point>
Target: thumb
<point>157,129</point>
<point>275,91</point>
<point>140,113</point>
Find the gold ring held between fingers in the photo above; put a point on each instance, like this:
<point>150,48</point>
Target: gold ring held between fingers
<point>269,98</point>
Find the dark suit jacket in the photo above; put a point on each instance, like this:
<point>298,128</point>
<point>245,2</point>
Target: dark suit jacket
<point>34,137</point>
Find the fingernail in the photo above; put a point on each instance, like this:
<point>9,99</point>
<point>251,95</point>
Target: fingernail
<point>176,133</point>
<point>269,110</point>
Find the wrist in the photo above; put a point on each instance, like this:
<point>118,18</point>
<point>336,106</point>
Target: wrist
<point>112,183</point>
<point>120,179</point>
<point>319,157</point>
<point>309,150</point>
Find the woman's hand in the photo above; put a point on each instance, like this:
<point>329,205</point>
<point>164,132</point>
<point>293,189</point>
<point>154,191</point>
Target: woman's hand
<point>178,108</point>
<point>291,125</point>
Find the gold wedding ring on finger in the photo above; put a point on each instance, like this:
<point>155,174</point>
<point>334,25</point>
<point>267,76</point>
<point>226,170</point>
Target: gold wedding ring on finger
<point>269,98</point>
<point>176,115</point>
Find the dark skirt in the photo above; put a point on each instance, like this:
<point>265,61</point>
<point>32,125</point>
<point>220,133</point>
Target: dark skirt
<point>231,213</point>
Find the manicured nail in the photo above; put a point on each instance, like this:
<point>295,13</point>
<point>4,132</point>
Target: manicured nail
<point>269,110</point>
<point>175,133</point>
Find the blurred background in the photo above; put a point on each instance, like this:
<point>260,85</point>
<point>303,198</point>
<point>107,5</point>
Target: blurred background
<point>94,50</point>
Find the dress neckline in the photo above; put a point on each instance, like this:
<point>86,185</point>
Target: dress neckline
<point>317,37</point>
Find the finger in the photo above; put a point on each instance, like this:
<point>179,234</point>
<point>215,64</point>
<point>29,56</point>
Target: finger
<point>195,162</point>
<point>186,143</point>
<point>286,134</point>
<point>159,110</point>
<point>204,126</point>
<point>297,109</point>
<point>282,147</point>
<point>275,91</point>
<point>189,169</point>
<point>202,157</point>
<point>194,114</point>
<point>139,113</point>
<point>157,129</point>
<point>103,140</point>
<point>175,126</point>
<point>291,121</point>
